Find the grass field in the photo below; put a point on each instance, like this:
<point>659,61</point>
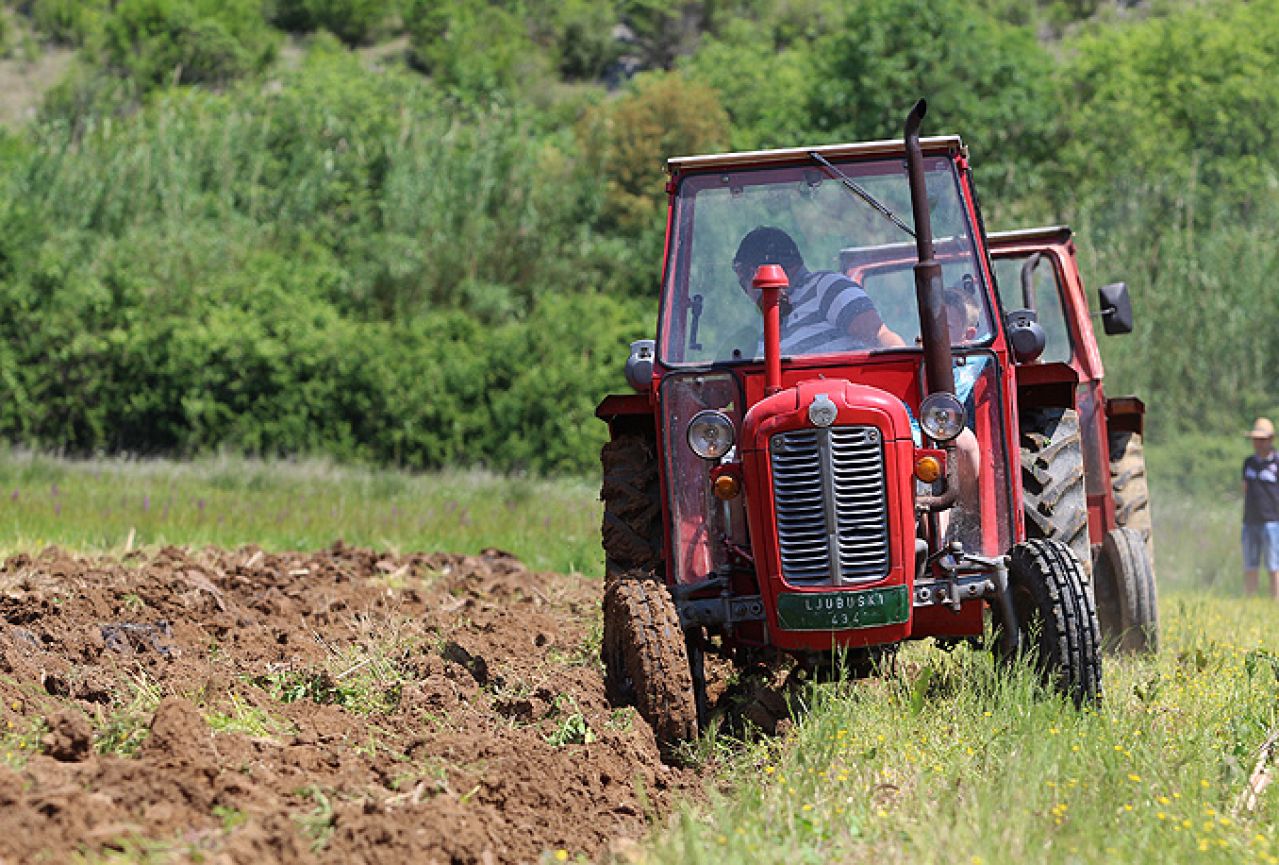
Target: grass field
<point>947,759</point>
<point>106,505</point>
<point>951,760</point>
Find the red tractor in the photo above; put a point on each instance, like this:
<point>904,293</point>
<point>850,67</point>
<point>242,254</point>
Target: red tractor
<point>1095,496</point>
<point>825,461</point>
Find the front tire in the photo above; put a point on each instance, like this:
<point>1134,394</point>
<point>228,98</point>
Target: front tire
<point>646,658</point>
<point>1127,606</point>
<point>1056,617</point>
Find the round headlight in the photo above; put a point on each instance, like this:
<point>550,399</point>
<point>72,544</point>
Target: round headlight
<point>941,416</point>
<point>710,434</point>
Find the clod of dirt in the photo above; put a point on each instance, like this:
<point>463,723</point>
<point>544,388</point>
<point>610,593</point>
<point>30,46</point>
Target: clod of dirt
<point>133,637</point>
<point>473,664</point>
<point>177,730</point>
<point>70,738</point>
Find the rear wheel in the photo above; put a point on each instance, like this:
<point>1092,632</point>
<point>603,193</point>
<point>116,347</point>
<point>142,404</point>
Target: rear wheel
<point>646,658</point>
<point>1056,618</point>
<point>1052,480</point>
<point>1131,490</point>
<point>1127,607</point>
<point>632,526</point>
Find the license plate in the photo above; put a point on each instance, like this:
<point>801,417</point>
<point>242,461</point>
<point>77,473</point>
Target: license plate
<point>839,611</point>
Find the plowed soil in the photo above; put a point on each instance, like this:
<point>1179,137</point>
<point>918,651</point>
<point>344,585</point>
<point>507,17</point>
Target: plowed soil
<point>346,706</point>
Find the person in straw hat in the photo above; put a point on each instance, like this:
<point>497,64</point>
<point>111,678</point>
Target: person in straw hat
<point>1261,508</point>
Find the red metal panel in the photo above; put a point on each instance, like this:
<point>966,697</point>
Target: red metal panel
<point>619,404</point>
<point>942,621</point>
<point>856,404</point>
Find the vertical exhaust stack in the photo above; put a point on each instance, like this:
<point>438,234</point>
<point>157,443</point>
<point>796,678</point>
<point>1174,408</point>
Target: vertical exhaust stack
<point>939,375</point>
<point>771,281</point>
<point>1028,280</point>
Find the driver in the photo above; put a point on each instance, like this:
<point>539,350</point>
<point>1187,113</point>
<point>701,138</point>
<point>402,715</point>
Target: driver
<point>822,311</point>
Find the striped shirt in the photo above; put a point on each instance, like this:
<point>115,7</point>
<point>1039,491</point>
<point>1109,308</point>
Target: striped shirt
<point>822,307</point>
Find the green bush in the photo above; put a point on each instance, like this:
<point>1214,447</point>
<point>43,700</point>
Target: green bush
<point>379,280</point>
<point>663,115</point>
<point>476,48</point>
<point>355,22</point>
<point>156,42</point>
<point>583,37</point>
<point>986,80</point>
<point>69,22</point>
<point>1172,100</point>
<point>764,89</point>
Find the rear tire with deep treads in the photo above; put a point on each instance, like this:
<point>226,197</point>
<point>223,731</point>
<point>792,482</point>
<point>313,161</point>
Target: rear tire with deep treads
<point>632,526</point>
<point>1052,480</point>
<point>1131,488</point>
<point>646,658</point>
<point>1056,617</point>
<point>1127,605</point>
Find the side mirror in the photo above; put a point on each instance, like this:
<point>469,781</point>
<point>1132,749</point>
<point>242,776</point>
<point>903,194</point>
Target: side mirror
<point>1025,335</point>
<point>1116,308</point>
<point>639,366</point>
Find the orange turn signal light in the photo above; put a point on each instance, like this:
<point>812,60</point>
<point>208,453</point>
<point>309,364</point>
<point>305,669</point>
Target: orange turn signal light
<point>928,468</point>
<point>727,487</point>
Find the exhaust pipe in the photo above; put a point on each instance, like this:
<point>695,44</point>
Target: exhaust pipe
<point>771,281</point>
<point>1028,280</point>
<point>939,374</point>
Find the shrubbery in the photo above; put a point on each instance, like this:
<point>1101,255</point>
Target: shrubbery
<point>368,279</point>
<point>156,42</point>
<point>445,263</point>
<point>69,22</point>
<point>355,22</point>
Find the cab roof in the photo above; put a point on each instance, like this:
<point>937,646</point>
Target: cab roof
<point>933,146</point>
<point>1042,234</point>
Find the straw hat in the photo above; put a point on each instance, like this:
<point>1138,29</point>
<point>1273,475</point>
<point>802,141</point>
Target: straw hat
<point>1262,428</point>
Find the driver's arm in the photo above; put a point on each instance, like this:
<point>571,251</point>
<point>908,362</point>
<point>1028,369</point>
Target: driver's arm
<point>869,328</point>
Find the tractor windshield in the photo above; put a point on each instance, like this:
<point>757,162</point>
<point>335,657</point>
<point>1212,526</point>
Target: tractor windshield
<point>841,232</point>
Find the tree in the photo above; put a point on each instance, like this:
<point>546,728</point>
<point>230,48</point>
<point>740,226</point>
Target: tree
<point>664,115</point>
<point>1172,100</point>
<point>983,79</point>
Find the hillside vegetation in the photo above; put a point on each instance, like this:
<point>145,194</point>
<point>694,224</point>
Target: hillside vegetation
<point>424,234</point>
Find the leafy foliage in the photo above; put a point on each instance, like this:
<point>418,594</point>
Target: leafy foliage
<point>355,22</point>
<point>69,22</point>
<point>1177,100</point>
<point>202,247</point>
<point>985,78</point>
<point>664,115</point>
<point>476,47</point>
<point>187,41</point>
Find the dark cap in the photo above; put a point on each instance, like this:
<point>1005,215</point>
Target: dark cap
<point>768,245</point>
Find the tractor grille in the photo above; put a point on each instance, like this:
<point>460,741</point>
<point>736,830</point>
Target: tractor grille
<point>832,509</point>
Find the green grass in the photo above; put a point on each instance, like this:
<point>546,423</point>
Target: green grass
<point>103,505</point>
<point>124,726</point>
<point>983,766</point>
<point>948,759</point>
<point>249,720</point>
<point>954,760</point>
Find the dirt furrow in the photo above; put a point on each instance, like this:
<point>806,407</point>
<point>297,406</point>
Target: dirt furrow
<point>348,705</point>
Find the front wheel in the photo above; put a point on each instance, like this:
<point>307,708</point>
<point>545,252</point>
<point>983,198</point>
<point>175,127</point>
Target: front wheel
<point>1125,588</point>
<point>646,658</point>
<point>1056,617</point>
